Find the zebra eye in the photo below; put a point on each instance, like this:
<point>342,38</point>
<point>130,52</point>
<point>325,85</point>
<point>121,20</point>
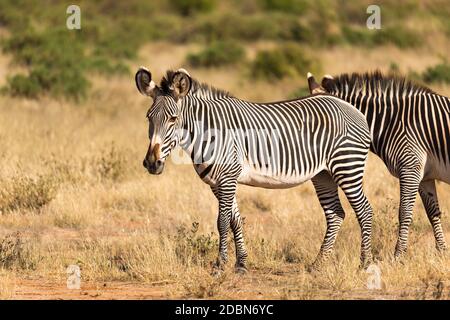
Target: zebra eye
<point>173,119</point>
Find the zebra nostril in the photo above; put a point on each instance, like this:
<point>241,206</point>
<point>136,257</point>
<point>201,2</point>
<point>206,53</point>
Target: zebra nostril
<point>158,163</point>
<point>145,163</point>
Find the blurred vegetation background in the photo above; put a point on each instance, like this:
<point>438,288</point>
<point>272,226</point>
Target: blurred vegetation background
<point>58,61</point>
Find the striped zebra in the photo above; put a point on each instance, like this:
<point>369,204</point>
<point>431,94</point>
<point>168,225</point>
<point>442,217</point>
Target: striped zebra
<point>410,130</point>
<point>269,145</point>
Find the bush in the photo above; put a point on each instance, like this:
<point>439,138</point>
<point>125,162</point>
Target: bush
<point>271,64</point>
<point>57,63</point>
<point>17,253</point>
<point>401,37</point>
<point>396,35</point>
<point>358,36</point>
<point>439,73</point>
<point>27,193</point>
<point>289,60</point>
<point>105,66</point>
<point>20,85</point>
<point>111,164</point>
<point>287,6</point>
<point>217,54</point>
<point>220,27</point>
<point>187,7</point>
<point>58,59</point>
<point>192,247</point>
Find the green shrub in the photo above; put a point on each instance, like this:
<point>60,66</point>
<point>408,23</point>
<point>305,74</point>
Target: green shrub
<point>105,66</point>
<point>56,59</point>
<point>399,36</point>
<point>439,73</point>
<point>59,59</point>
<point>357,36</point>
<point>271,64</point>
<point>289,60</point>
<point>194,247</point>
<point>225,26</point>
<point>187,7</point>
<point>288,27</point>
<point>287,6</point>
<point>396,35</point>
<point>21,85</point>
<point>221,27</point>
<point>217,54</point>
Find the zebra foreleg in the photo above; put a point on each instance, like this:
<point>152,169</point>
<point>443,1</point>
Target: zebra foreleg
<point>327,192</point>
<point>225,194</point>
<point>427,191</point>
<point>237,227</point>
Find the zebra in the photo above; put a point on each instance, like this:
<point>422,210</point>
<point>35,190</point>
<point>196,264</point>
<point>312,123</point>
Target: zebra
<point>270,145</point>
<point>409,127</point>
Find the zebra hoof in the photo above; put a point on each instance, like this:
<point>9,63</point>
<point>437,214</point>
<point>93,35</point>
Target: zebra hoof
<point>241,270</point>
<point>364,265</point>
<point>442,249</point>
<point>314,267</point>
<point>366,262</point>
<point>399,256</point>
<point>217,272</point>
<point>217,268</point>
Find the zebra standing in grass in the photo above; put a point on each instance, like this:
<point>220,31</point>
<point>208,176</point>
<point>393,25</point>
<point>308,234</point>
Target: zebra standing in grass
<point>270,145</point>
<point>410,129</point>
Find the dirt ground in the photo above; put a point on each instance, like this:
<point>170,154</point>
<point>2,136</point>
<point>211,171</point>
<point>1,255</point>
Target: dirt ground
<point>35,288</point>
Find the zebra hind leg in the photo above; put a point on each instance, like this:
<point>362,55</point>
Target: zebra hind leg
<point>409,185</point>
<point>427,191</point>
<point>327,192</point>
<point>352,186</point>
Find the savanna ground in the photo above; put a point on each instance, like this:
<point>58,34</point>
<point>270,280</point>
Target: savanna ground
<point>73,192</point>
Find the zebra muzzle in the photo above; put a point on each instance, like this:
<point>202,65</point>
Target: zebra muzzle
<point>152,162</point>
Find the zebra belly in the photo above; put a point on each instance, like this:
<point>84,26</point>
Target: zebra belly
<point>438,170</point>
<point>263,178</point>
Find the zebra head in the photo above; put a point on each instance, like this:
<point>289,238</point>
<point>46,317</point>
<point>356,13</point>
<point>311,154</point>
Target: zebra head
<point>164,114</point>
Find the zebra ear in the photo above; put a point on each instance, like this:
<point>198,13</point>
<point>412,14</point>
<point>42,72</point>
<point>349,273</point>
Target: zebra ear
<point>327,82</point>
<point>314,87</point>
<point>181,83</point>
<point>144,82</point>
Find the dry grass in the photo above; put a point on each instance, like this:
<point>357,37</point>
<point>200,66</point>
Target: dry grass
<point>72,184</point>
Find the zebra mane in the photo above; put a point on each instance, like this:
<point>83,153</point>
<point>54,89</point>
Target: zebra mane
<point>197,88</point>
<point>376,82</point>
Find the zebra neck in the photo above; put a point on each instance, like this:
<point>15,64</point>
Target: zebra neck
<point>198,117</point>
